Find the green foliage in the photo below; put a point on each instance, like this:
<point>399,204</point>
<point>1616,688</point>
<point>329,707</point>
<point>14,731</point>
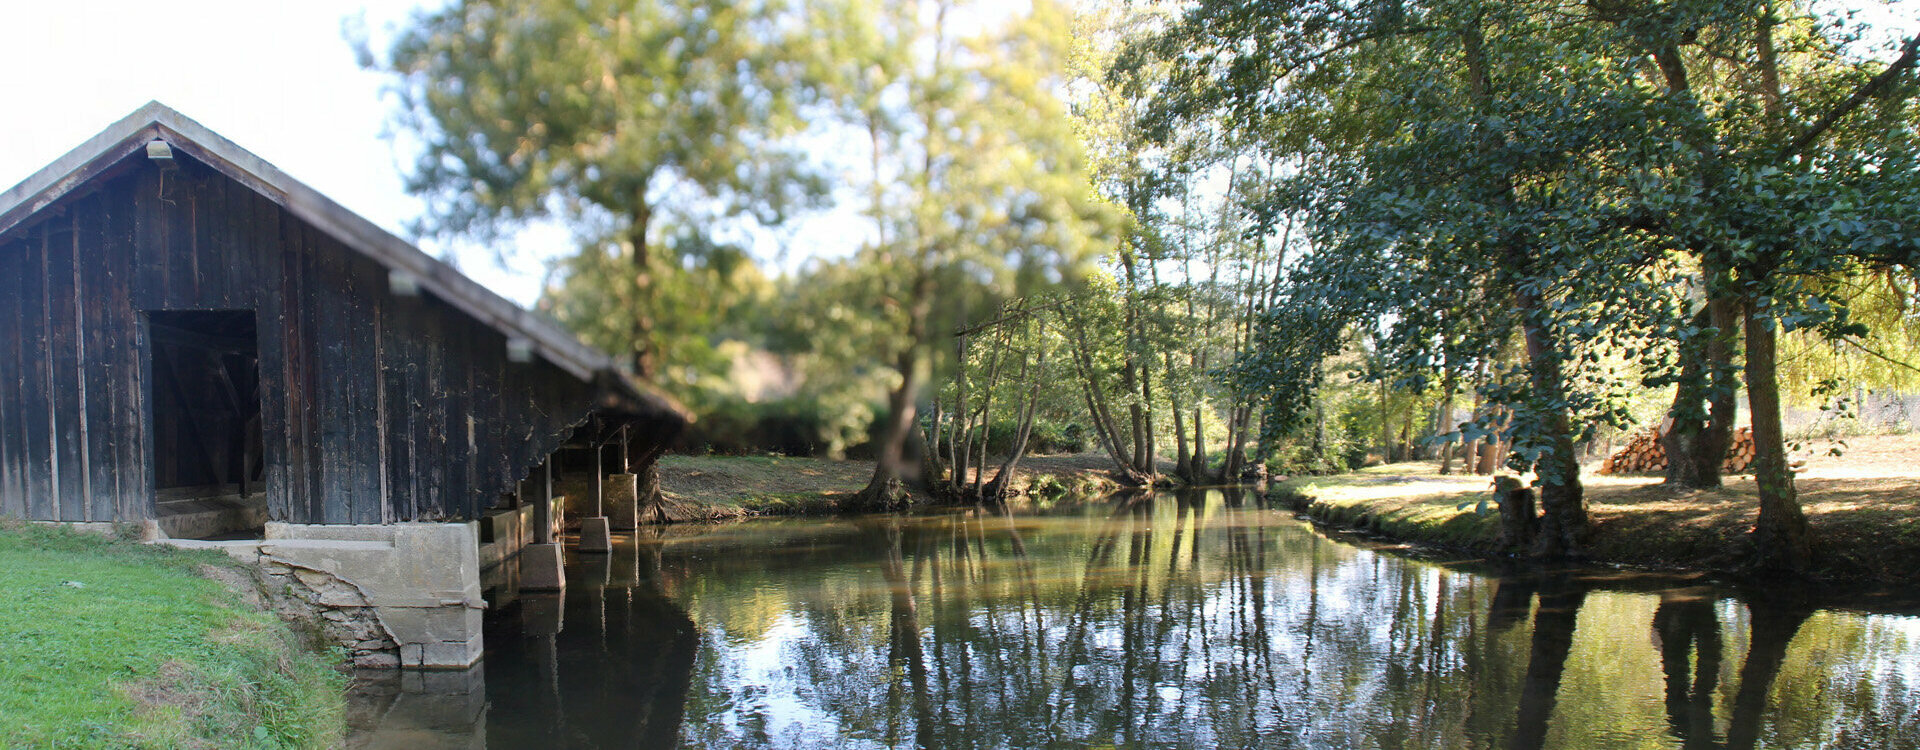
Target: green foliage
<point>1479,171</point>
<point>801,425</point>
<point>599,110</point>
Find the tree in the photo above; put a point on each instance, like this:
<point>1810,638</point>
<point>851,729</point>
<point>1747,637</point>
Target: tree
<point>978,187</point>
<point>605,114</point>
<point>1798,164</point>
<point>1435,191</point>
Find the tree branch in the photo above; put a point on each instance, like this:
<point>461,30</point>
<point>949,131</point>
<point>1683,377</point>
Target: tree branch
<point>1909,54</point>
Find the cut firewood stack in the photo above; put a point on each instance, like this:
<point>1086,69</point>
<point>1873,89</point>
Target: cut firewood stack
<point>1645,454</point>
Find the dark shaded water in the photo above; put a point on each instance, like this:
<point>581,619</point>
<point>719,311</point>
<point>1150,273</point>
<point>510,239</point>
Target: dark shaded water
<point>1198,621</point>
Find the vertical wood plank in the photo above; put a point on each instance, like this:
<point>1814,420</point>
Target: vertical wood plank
<point>133,256</point>
<point>37,411</point>
<point>270,258</point>
<point>398,423</point>
<point>67,409</point>
<point>105,238</point>
<point>150,245</point>
<point>13,490</point>
<point>366,417</point>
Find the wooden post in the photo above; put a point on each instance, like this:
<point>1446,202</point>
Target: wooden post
<point>626,466</point>
<point>543,509</point>
<point>596,533</point>
<point>599,481</point>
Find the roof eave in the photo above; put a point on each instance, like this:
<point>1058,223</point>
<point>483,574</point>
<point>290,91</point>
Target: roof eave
<point>155,120</point>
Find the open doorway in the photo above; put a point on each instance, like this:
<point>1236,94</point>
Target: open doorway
<point>208,456</point>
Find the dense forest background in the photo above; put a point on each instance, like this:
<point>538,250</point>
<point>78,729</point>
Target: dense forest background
<point>1211,240</point>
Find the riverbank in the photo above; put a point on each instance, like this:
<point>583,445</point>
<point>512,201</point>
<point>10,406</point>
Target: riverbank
<point>111,643</point>
<point>1863,508</point>
<point>706,488</point>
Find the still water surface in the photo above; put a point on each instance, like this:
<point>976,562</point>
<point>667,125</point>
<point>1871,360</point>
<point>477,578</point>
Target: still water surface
<point>1193,621</point>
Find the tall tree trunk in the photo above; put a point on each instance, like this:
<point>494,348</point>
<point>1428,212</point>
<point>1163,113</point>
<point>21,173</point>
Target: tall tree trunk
<point>648,496</point>
<point>884,491</point>
<point>1780,533</point>
<point>1563,507</point>
<point>1183,463</point>
<point>1446,426</point>
<point>1470,457</point>
<point>1697,443</point>
<point>1562,504</point>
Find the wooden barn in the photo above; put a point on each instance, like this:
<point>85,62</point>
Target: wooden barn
<point>180,321</point>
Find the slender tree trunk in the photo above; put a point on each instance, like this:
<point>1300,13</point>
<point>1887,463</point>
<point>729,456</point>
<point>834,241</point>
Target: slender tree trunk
<point>1386,424</point>
<point>1696,445</point>
<point>1780,533</point>
<point>1446,426</point>
<point>1470,457</point>
<point>1563,506</point>
<point>1687,417</point>
<point>648,497</point>
<point>1183,463</point>
<point>884,491</point>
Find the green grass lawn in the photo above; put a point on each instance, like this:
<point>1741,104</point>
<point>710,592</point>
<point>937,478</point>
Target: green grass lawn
<point>107,643</point>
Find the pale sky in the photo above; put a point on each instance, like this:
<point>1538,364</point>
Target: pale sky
<point>279,79</point>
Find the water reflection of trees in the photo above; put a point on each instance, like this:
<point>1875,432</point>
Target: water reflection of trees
<point>1173,622</point>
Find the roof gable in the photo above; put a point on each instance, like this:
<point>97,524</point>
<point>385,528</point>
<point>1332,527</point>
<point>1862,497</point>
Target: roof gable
<point>155,121</point>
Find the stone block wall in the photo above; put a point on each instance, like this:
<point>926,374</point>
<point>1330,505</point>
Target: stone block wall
<point>416,585</point>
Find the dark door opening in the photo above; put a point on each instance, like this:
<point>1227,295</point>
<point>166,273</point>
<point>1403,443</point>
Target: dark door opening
<point>207,448</point>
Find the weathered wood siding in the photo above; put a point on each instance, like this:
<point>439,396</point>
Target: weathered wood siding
<point>375,408</point>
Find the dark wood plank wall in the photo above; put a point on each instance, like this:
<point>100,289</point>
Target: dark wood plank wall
<point>375,408</point>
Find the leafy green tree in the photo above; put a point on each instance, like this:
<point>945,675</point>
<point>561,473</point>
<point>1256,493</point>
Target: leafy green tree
<point>978,187</point>
<point>1797,167</point>
<point>1439,191</point>
<point>606,115</point>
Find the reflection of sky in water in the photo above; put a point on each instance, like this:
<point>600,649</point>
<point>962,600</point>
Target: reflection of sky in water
<point>1177,625</point>
<point>761,674</point>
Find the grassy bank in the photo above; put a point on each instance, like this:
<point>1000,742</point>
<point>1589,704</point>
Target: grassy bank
<point>107,643</point>
<point>1863,508</point>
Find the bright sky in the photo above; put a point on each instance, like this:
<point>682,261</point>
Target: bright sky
<point>278,78</point>
<point>274,76</point>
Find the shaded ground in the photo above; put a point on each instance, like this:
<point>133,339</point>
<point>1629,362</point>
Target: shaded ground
<point>1863,507</point>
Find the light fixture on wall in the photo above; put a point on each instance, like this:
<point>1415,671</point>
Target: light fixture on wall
<point>161,153</point>
<point>519,350</point>
<point>403,283</point>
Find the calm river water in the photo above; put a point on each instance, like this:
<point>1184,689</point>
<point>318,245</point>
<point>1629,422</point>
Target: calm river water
<point>1195,621</point>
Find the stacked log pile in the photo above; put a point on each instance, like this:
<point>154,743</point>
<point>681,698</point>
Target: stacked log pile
<point>1645,454</point>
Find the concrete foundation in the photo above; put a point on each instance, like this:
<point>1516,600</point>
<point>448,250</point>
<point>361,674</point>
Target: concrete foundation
<point>419,581</point>
<point>622,506</point>
<point>203,517</point>
<point>504,533</point>
<point>595,535</point>
<point>541,569</point>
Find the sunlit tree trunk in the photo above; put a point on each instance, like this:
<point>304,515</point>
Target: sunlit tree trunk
<point>1780,533</point>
